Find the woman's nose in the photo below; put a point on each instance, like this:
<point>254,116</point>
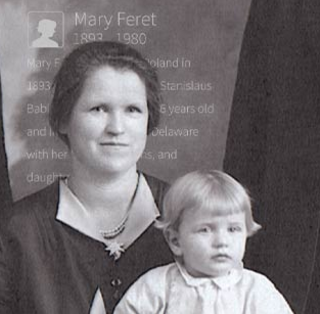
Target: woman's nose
<point>115,124</point>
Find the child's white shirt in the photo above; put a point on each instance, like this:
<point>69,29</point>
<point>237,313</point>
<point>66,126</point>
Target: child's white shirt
<point>170,289</point>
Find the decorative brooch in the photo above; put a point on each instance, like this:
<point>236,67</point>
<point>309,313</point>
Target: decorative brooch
<point>115,249</point>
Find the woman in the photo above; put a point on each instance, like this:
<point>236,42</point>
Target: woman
<point>79,243</point>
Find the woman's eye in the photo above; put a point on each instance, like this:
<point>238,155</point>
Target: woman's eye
<point>97,109</point>
<point>134,109</point>
<point>204,230</point>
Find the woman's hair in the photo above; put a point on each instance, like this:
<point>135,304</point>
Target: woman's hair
<point>213,190</point>
<point>81,62</point>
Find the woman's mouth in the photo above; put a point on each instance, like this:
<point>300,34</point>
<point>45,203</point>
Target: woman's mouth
<point>116,144</point>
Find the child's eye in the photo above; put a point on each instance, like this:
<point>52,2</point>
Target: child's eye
<point>235,229</point>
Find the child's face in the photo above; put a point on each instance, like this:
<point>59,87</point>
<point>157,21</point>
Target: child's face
<point>211,245</point>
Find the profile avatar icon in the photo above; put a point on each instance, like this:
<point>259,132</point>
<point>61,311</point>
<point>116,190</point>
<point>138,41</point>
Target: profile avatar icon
<point>46,28</point>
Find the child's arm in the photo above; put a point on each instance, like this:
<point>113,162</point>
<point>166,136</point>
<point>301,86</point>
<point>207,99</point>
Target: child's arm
<point>147,295</point>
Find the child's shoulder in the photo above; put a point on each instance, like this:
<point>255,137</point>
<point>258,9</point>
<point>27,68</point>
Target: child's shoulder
<point>263,293</point>
<point>160,273</point>
<point>152,283</point>
<point>254,279</point>
<point>255,275</point>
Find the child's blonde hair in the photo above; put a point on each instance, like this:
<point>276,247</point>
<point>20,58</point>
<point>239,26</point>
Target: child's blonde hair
<point>214,190</point>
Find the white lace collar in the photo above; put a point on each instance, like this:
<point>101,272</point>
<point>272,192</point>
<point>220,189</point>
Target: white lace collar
<point>223,282</point>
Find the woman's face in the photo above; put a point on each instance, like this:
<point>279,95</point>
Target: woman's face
<point>107,129</point>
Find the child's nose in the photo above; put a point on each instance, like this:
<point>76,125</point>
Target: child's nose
<point>220,240</point>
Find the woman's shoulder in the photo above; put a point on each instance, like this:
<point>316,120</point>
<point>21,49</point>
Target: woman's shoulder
<point>155,182</point>
<point>32,207</point>
<point>158,188</point>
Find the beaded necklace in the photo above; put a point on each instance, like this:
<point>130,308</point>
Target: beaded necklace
<point>113,246</point>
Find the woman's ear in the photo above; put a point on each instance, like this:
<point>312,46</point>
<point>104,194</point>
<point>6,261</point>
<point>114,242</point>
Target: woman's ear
<point>172,237</point>
<point>63,127</point>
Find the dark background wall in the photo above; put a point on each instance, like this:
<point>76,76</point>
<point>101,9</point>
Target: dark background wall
<point>273,143</point>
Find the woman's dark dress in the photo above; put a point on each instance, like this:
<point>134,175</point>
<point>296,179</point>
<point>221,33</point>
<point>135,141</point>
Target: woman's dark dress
<point>49,267</point>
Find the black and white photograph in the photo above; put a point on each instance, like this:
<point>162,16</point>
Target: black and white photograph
<point>159,157</point>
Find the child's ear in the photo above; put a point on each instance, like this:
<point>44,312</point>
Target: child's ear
<point>172,237</point>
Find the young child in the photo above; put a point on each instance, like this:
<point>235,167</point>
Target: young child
<point>206,220</point>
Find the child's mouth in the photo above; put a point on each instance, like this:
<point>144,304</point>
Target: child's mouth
<point>221,257</point>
